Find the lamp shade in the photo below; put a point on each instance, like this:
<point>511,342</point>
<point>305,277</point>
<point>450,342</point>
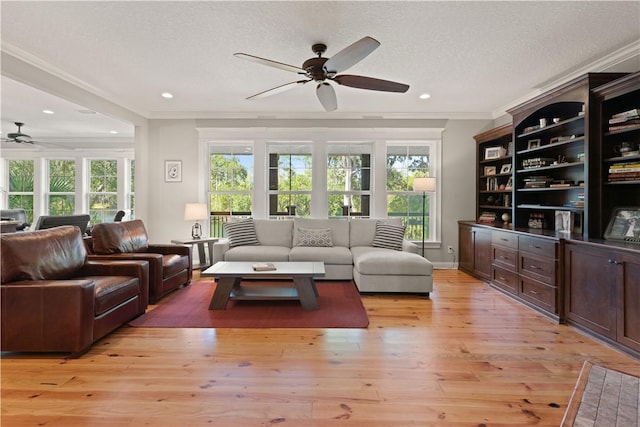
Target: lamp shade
<point>195,211</point>
<point>424,185</point>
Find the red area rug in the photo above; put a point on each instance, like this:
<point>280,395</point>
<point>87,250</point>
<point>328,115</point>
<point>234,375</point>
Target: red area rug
<point>340,307</point>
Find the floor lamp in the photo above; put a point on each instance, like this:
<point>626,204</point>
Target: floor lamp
<point>424,185</point>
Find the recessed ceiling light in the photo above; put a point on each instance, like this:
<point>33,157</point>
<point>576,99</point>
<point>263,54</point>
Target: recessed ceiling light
<point>47,111</point>
<point>167,95</point>
<point>113,131</point>
<point>425,96</point>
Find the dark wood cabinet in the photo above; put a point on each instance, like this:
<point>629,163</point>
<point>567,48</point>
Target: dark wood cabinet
<point>475,250</point>
<point>494,154</point>
<point>602,291</point>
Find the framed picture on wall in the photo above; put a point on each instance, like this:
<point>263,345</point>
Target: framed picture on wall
<point>173,171</point>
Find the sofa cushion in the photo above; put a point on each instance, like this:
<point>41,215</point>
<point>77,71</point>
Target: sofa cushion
<point>55,253</point>
<point>173,264</point>
<point>388,236</point>
<point>314,237</point>
<point>119,237</point>
<point>111,291</point>
<point>258,253</point>
<point>336,255</point>
<point>274,232</point>
<point>241,232</point>
<point>378,261</point>
<point>363,230</point>
<point>339,229</point>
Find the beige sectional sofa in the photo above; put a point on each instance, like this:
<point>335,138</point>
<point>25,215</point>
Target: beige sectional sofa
<point>351,256</point>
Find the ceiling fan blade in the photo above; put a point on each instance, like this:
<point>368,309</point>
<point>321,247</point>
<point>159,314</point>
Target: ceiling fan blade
<point>278,89</point>
<point>362,82</point>
<point>327,96</point>
<point>351,55</point>
<point>269,62</point>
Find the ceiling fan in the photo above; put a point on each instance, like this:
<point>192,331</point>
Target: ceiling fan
<point>18,137</point>
<point>324,70</point>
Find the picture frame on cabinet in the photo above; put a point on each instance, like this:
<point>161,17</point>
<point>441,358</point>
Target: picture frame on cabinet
<point>533,143</point>
<point>506,168</point>
<point>489,170</point>
<point>494,152</point>
<point>509,184</point>
<point>624,225</point>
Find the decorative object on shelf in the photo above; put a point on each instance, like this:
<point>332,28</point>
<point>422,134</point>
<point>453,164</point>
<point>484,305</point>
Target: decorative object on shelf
<point>556,120</point>
<point>509,184</point>
<point>510,148</point>
<point>506,218</point>
<point>506,168</point>
<point>507,200</point>
<point>623,148</point>
<point>494,153</point>
<point>424,185</point>
<point>196,212</point>
<point>543,122</point>
<point>624,225</point>
<point>489,170</point>
<point>533,143</point>
<point>536,220</point>
<point>173,171</point>
<point>563,222</point>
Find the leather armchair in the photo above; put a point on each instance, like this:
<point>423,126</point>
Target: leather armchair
<point>170,266</point>
<point>55,300</point>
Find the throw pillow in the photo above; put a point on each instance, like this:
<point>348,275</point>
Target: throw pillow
<point>388,236</point>
<point>319,237</point>
<point>241,233</point>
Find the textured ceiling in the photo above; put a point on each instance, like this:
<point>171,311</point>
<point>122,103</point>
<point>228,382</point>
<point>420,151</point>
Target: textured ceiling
<point>474,58</point>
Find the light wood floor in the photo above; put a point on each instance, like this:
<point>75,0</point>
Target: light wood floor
<point>468,356</point>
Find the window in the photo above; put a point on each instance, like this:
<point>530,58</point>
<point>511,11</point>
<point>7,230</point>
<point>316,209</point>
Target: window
<point>21,186</point>
<point>61,198</point>
<point>290,180</point>
<point>103,190</point>
<point>230,183</point>
<point>349,179</point>
<point>406,161</point>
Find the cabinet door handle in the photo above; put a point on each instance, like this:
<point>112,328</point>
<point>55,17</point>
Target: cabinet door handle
<point>535,246</point>
<point>614,262</point>
<point>504,240</point>
<point>533,292</point>
<point>533,267</point>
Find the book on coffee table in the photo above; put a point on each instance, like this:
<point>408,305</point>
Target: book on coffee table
<point>263,266</point>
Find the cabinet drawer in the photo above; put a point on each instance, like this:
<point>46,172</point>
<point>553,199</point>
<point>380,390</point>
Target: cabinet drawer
<point>504,257</point>
<point>543,296</point>
<point>505,279</point>
<point>537,246</point>
<point>504,238</point>
<point>537,267</point>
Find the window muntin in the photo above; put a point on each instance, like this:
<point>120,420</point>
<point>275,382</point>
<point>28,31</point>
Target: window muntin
<point>290,180</point>
<point>21,178</point>
<point>405,162</point>
<point>349,179</point>
<point>61,198</point>
<point>103,190</point>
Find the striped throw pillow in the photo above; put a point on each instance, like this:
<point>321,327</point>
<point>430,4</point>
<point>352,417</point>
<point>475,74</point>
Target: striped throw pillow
<point>388,236</point>
<point>241,233</point>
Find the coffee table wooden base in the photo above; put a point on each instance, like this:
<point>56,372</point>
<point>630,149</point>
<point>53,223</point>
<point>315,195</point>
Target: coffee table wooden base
<point>303,289</point>
<point>229,276</point>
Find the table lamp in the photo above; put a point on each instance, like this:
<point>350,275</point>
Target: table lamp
<point>196,212</point>
<point>424,185</point>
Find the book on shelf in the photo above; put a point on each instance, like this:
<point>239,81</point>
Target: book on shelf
<point>615,120</point>
<point>627,113</point>
<point>626,125</point>
<point>487,217</point>
<point>264,266</point>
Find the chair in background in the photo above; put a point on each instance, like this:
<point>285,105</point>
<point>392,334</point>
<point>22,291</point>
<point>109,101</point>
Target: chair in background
<point>19,215</point>
<point>170,266</point>
<point>119,216</point>
<point>49,221</point>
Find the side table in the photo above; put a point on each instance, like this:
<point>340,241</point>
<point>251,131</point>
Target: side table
<point>204,261</point>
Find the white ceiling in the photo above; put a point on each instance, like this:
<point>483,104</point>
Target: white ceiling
<point>475,58</point>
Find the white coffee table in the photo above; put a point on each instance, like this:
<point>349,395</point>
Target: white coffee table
<point>231,273</point>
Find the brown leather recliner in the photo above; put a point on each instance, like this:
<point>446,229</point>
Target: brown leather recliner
<point>170,266</point>
<point>55,300</point>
